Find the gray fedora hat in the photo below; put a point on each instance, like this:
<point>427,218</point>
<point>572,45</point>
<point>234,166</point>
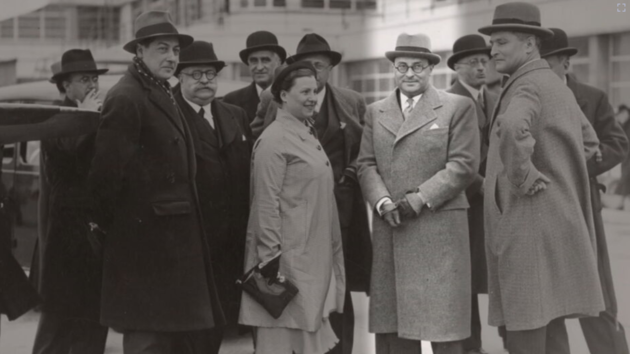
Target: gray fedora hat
<point>152,24</point>
<point>415,46</point>
<point>517,17</point>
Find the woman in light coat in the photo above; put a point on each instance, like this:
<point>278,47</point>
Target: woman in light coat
<point>293,209</point>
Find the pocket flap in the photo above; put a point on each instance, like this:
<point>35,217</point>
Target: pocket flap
<point>172,208</point>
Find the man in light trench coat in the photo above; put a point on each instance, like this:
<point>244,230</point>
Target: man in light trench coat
<point>419,152</point>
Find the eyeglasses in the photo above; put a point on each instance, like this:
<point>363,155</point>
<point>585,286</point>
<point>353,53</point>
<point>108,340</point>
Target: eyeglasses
<point>87,79</point>
<point>417,68</point>
<point>474,62</point>
<point>210,74</point>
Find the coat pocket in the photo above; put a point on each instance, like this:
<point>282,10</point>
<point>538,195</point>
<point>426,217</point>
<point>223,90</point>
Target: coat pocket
<point>172,208</point>
<point>294,227</point>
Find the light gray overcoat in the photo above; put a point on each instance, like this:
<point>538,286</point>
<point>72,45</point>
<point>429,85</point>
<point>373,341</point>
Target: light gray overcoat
<point>420,284</point>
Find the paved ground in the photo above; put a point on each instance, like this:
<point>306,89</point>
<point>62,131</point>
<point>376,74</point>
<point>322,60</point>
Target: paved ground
<point>17,337</point>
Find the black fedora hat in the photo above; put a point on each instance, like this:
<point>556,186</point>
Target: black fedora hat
<point>153,24</point>
<point>311,44</point>
<point>415,46</point>
<point>517,17</point>
<point>262,40</point>
<point>75,61</point>
<point>199,53</point>
<point>558,44</point>
<point>467,45</point>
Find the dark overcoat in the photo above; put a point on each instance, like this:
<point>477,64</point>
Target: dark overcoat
<point>613,144</point>
<point>156,268</point>
<point>479,268</point>
<point>350,108</point>
<point>223,164</point>
<point>246,98</point>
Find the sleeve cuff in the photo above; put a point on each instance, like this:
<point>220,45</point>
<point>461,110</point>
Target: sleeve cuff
<point>381,202</point>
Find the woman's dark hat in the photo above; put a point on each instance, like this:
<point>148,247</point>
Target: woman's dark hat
<point>75,61</point>
<point>262,40</point>
<point>280,77</point>
<point>558,44</point>
<point>517,17</point>
<point>312,44</point>
<point>153,24</point>
<point>199,53</point>
<point>414,46</point>
<point>467,45</point>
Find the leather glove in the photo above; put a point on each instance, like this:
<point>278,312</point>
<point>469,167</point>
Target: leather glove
<point>410,205</point>
<point>390,214</point>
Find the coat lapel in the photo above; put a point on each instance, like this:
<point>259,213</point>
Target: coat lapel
<point>344,110</point>
<point>459,89</point>
<point>226,128</point>
<point>392,117</point>
<point>422,114</point>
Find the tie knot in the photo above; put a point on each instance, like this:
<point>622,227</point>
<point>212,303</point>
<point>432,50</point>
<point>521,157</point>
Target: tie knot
<point>202,112</point>
<point>410,102</point>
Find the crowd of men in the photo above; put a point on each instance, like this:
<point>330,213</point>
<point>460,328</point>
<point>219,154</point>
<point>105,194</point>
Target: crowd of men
<point>474,191</point>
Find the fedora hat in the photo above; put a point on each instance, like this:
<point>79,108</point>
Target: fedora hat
<point>199,53</point>
<point>262,40</point>
<point>465,46</point>
<point>153,24</point>
<point>75,61</point>
<point>517,17</point>
<point>415,46</point>
<point>312,44</point>
<point>558,44</point>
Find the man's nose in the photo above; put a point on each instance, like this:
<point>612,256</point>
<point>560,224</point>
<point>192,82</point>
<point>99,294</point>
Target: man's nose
<point>204,78</point>
<point>410,73</point>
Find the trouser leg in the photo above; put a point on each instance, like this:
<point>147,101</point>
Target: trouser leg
<point>557,339</point>
<point>88,337</point>
<point>455,347</point>
<point>136,342</point>
<point>550,339</point>
<point>343,326</point>
<point>390,343</point>
<point>53,335</point>
<point>602,334</point>
<point>474,341</point>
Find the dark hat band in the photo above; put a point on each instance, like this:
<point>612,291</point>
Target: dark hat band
<point>514,21</point>
<point>79,66</point>
<point>412,49</point>
<point>163,28</point>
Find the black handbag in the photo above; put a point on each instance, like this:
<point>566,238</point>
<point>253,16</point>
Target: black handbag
<point>272,291</point>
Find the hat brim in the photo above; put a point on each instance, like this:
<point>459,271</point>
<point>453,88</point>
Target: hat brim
<point>335,57</point>
<point>217,64</point>
<point>244,54</point>
<point>58,75</point>
<point>570,51</point>
<point>513,27</point>
<point>431,57</point>
<point>184,41</point>
<point>464,53</point>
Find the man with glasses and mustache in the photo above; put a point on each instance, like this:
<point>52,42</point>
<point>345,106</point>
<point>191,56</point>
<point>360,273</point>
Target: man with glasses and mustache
<point>263,56</point>
<point>222,139</point>
<point>338,121</point>
<point>469,60</point>
<point>419,153</point>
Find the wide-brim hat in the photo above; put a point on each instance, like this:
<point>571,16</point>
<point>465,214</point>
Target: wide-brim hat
<point>517,17</point>
<point>262,40</point>
<point>312,44</point>
<point>556,45</point>
<point>152,24</point>
<point>467,45</point>
<point>199,53</point>
<point>414,46</point>
<point>75,61</point>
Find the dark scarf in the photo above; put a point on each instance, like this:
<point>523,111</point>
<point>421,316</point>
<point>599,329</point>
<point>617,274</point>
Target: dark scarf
<point>163,84</point>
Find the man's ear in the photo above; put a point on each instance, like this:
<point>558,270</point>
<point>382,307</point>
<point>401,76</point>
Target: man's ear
<point>139,50</point>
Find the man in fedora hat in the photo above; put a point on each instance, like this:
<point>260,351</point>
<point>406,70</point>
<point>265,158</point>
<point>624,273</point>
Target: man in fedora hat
<point>540,245</point>
<point>263,56</point>
<point>470,58</point>
<point>158,286</point>
<point>70,288</point>
<point>604,334</point>
<point>338,123</point>
<point>223,141</point>
<point>419,153</point>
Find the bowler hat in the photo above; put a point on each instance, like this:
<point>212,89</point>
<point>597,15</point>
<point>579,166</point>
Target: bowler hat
<point>517,17</point>
<point>199,53</point>
<point>558,44</point>
<point>75,61</point>
<point>311,44</point>
<point>153,24</point>
<point>465,46</point>
<point>262,40</point>
<point>415,46</point>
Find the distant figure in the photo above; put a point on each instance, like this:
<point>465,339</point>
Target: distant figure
<point>623,117</point>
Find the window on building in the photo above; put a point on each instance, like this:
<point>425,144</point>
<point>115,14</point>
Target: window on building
<point>620,69</point>
<point>442,75</point>
<point>260,3</point>
<point>6,28</point>
<point>340,4</point>
<point>318,4</point>
<point>98,23</point>
<point>54,22</point>
<point>366,4</point>
<point>279,3</point>
<point>29,25</point>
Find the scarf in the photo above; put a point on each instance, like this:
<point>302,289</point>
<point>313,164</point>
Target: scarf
<point>163,84</point>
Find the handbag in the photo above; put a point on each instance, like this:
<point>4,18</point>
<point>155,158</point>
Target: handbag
<point>271,290</point>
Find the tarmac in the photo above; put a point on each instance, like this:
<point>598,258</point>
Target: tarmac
<point>17,337</point>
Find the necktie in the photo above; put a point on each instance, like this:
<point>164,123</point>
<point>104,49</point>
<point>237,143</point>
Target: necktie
<point>480,100</point>
<point>202,114</point>
<point>409,108</point>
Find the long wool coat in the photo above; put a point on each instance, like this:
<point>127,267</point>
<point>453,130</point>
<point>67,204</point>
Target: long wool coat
<point>294,209</point>
<point>420,284</point>
<point>540,249</point>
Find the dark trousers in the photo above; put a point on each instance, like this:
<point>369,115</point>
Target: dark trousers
<point>343,326</point>
<point>58,334</point>
<point>602,334</point>
<point>192,342</point>
<point>390,343</point>
<point>474,341</point>
<point>550,339</point>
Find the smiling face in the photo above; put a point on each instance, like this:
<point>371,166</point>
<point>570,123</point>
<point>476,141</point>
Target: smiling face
<point>511,50</point>
<point>411,83</point>
<point>301,98</point>
<point>161,56</point>
<point>200,91</point>
<point>263,65</point>
<point>473,75</point>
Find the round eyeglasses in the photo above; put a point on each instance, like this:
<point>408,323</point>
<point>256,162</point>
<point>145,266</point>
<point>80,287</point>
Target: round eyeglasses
<point>417,68</point>
<point>210,74</point>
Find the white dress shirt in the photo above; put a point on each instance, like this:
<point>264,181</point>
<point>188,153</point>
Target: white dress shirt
<point>320,99</point>
<point>207,112</point>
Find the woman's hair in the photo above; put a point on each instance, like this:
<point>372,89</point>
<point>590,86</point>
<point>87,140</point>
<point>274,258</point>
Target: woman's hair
<point>286,79</point>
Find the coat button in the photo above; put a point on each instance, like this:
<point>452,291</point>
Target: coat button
<point>319,147</point>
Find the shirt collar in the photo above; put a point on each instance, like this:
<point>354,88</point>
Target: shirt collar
<point>196,107</point>
<point>259,89</point>
<point>473,91</point>
<point>320,99</point>
<point>564,78</point>
<point>403,100</point>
